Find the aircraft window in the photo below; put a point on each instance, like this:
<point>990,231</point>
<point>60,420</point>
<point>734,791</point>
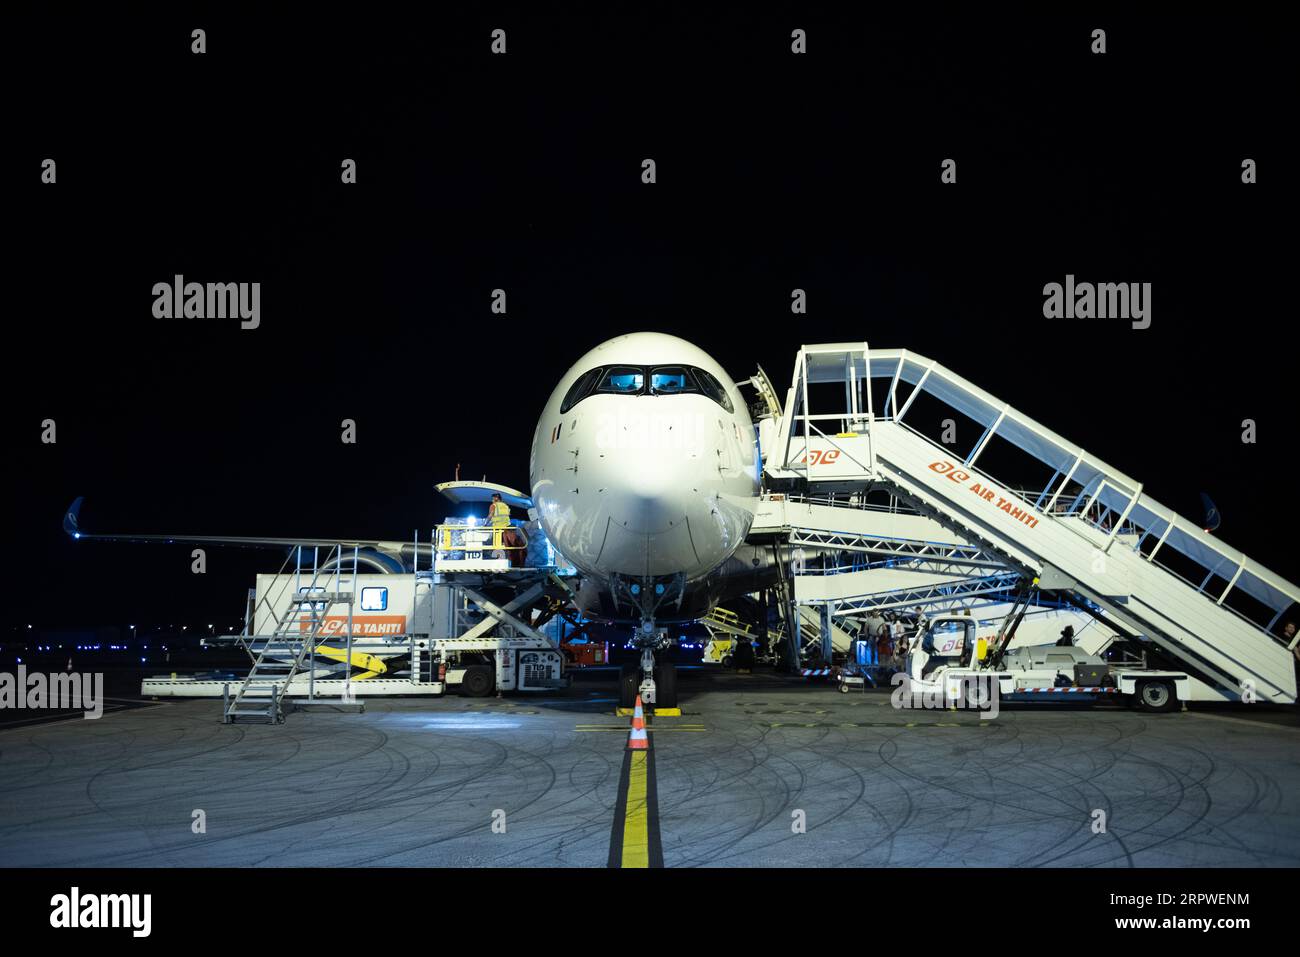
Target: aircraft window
<point>580,389</point>
<point>374,599</point>
<point>625,380</point>
<point>308,590</point>
<point>631,380</point>
<point>671,380</point>
<point>713,389</point>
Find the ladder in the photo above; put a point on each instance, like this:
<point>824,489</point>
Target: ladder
<point>726,622</point>
<point>280,657</point>
<point>811,641</point>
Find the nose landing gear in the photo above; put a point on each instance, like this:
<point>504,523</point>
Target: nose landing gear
<point>655,683</point>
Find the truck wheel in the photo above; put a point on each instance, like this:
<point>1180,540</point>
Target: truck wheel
<point>726,661</point>
<point>1157,696</point>
<point>666,686</point>
<point>629,681</point>
<point>477,682</point>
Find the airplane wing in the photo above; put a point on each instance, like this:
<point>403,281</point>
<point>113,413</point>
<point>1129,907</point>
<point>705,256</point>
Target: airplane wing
<point>72,525</point>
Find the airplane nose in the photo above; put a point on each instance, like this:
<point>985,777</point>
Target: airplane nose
<point>651,475</point>
<point>654,489</point>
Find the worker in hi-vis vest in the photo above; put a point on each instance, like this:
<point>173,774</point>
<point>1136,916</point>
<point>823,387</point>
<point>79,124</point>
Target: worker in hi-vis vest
<point>498,517</point>
<point>498,512</point>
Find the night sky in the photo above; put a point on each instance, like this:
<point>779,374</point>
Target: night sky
<point>523,171</point>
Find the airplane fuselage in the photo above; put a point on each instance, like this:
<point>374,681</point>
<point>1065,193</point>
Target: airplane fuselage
<point>645,468</point>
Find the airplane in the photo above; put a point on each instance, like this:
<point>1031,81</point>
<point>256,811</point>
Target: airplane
<point>645,475</point>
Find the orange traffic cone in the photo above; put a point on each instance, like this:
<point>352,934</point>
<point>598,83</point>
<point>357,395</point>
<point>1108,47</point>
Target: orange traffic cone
<point>637,740</point>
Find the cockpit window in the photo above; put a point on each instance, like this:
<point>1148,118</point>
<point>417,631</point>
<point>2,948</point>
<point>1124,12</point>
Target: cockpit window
<point>713,389</point>
<point>580,389</point>
<point>671,380</point>
<point>623,380</point>
<point>632,380</point>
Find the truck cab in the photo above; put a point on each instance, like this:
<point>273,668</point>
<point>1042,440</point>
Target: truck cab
<point>944,641</point>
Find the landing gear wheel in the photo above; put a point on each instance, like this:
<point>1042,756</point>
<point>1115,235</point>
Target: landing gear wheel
<point>477,682</point>
<point>744,656</point>
<point>1156,696</point>
<point>629,682</point>
<point>666,686</point>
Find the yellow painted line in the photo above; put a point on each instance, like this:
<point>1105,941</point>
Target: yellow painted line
<point>875,724</point>
<point>1242,720</point>
<point>636,822</point>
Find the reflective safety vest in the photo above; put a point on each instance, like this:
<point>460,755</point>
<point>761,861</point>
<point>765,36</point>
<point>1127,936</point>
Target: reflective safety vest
<point>499,514</point>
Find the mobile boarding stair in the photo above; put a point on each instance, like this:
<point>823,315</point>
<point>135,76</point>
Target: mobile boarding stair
<point>1090,531</point>
<point>882,556</point>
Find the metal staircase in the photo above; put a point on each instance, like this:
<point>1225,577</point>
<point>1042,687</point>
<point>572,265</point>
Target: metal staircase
<point>1090,531</point>
<point>816,640</point>
<point>280,657</point>
<point>722,621</point>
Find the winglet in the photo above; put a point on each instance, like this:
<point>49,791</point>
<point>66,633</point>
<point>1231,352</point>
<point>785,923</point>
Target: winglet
<point>71,523</point>
<point>1212,516</point>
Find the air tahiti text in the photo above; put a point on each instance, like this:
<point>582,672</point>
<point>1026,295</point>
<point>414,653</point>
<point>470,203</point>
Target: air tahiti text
<point>961,477</point>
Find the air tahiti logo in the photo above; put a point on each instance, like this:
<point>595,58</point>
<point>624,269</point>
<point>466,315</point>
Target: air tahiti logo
<point>369,626</point>
<point>961,477</point>
<point>819,456</point>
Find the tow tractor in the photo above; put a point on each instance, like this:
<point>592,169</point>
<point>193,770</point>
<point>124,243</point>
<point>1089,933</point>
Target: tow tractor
<point>950,655</point>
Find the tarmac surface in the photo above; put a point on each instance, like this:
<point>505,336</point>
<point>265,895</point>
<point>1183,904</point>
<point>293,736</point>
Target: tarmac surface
<point>759,770</point>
